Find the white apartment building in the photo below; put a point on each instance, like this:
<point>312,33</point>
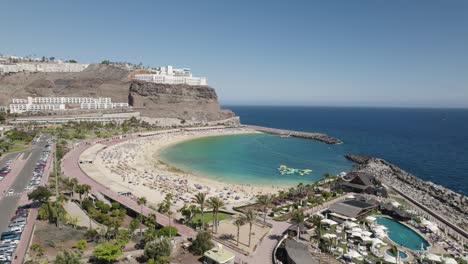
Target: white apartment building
<point>93,106</point>
<point>35,104</point>
<point>21,108</point>
<point>42,67</point>
<point>170,75</point>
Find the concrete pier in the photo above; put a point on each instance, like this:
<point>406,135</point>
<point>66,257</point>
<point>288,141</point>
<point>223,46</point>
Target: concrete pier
<point>300,134</point>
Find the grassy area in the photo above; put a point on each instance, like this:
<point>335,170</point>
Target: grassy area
<point>208,217</point>
<point>17,148</point>
<point>19,142</point>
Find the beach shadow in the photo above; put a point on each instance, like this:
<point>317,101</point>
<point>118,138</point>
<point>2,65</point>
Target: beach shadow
<point>275,237</point>
<point>227,237</point>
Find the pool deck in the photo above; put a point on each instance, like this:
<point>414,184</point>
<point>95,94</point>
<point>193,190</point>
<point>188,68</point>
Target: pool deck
<point>432,248</point>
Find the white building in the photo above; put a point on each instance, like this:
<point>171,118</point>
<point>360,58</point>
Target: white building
<point>170,75</point>
<point>37,104</point>
<point>42,67</point>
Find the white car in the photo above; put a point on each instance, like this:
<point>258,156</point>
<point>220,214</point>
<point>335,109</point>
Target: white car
<point>11,191</point>
<point>17,229</point>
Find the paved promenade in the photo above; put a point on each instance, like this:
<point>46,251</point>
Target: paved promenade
<point>71,169</point>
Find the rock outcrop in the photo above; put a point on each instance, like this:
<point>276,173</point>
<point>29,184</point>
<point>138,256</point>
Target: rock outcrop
<point>186,102</point>
<point>190,103</point>
<point>97,80</point>
<point>445,202</point>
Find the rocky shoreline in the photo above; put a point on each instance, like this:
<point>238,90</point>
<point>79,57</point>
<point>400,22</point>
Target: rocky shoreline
<point>324,138</point>
<point>447,203</point>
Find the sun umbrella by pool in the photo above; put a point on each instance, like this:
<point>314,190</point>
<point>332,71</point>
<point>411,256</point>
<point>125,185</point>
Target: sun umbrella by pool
<point>328,235</point>
<point>433,257</point>
<point>328,222</point>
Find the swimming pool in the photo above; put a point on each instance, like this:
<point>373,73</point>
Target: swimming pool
<point>402,254</point>
<point>403,235</point>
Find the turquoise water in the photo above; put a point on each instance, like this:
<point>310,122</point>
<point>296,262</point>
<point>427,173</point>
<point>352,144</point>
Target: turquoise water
<point>402,254</point>
<point>432,144</point>
<point>403,235</point>
<point>254,158</point>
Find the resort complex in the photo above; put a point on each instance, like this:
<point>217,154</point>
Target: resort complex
<point>170,75</point>
<point>43,104</point>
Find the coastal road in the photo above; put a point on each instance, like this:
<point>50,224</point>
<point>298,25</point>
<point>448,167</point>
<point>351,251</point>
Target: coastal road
<point>20,179</point>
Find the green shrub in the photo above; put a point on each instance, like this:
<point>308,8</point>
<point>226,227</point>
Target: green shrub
<point>167,231</point>
<point>202,243</point>
<point>81,245</point>
<point>158,248</point>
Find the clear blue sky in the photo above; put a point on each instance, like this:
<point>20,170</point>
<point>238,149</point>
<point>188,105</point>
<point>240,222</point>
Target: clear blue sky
<point>366,52</point>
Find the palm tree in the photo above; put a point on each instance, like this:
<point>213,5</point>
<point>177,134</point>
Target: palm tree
<point>327,177</point>
<point>250,218</point>
<point>60,202</point>
<point>86,189</point>
<point>74,183</point>
<point>298,218</point>
<point>215,203</point>
<point>240,221</point>
<point>265,201</point>
<point>169,214</point>
<point>68,256</point>
<point>200,199</point>
<point>141,202</point>
<point>80,191</point>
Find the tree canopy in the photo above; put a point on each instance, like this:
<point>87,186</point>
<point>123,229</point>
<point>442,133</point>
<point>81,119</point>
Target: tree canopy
<point>202,243</point>
<point>40,194</point>
<point>107,252</point>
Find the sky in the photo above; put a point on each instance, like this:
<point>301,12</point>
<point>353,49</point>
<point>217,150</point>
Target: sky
<point>397,53</point>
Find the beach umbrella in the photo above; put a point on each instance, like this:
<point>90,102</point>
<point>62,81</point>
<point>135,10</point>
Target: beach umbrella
<point>370,219</point>
<point>433,257</point>
<point>328,222</point>
<point>329,236</point>
<point>377,241</point>
<point>449,261</point>
<point>350,225</point>
<point>354,254</point>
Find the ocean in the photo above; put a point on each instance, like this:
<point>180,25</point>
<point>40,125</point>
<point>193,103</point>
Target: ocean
<point>432,144</point>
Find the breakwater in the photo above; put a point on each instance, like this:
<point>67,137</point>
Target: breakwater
<point>300,134</point>
<point>445,205</point>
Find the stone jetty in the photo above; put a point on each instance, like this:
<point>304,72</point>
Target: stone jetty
<point>446,204</point>
<point>300,134</point>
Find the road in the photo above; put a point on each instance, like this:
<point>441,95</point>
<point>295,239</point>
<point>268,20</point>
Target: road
<point>9,203</point>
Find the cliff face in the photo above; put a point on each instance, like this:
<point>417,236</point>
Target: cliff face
<point>198,103</point>
<point>96,80</point>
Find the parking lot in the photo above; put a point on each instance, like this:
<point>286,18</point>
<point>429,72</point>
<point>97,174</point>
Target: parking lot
<point>12,219</point>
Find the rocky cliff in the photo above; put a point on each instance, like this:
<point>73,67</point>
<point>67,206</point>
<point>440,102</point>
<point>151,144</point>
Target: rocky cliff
<point>178,101</point>
<point>95,81</point>
<point>197,103</point>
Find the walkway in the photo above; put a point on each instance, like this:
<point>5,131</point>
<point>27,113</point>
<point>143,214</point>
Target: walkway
<point>84,220</point>
<point>71,169</point>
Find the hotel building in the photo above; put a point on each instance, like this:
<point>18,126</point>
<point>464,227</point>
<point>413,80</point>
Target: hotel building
<point>170,75</point>
<point>37,104</point>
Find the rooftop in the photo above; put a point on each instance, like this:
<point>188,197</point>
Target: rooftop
<point>299,252</point>
<point>219,255</point>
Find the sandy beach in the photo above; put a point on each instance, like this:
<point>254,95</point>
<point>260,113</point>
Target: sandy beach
<point>134,166</point>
